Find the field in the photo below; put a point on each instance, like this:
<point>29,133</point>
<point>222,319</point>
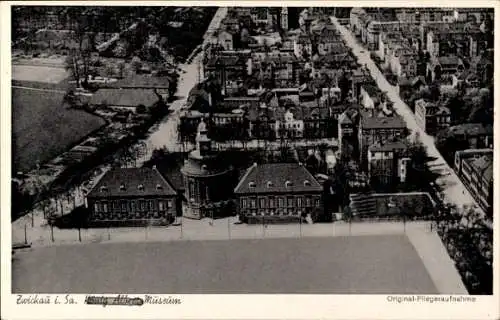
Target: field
<point>38,73</point>
<point>42,127</point>
<point>340,265</point>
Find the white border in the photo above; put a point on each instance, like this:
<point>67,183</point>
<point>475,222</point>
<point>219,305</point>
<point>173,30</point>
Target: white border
<point>229,306</point>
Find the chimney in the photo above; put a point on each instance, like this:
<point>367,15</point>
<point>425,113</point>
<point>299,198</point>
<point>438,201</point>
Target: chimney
<point>210,99</point>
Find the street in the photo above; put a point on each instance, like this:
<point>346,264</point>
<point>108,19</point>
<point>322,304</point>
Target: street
<point>454,190</point>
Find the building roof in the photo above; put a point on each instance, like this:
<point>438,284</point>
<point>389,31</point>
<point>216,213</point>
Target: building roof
<point>449,60</point>
<point>130,179</point>
<point>273,177</point>
<point>471,129</point>
<point>131,97</point>
<point>388,146</point>
<point>393,122</point>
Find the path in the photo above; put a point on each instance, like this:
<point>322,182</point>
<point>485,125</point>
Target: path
<point>38,89</point>
<point>454,190</point>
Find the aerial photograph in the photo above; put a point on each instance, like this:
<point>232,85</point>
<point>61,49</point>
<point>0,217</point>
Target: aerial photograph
<point>252,150</point>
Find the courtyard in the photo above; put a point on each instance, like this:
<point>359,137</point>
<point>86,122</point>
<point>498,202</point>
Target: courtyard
<point>379,264</point>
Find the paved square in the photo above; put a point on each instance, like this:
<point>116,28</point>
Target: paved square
<point>340,265</point>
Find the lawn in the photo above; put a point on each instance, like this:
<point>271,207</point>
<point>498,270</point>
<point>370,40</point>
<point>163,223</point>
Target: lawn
<point>340,265</point>
<point>39,73</point>
<point>42,127</point>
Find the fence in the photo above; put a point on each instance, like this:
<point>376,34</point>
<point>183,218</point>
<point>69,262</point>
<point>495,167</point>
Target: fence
<point>208,229</point>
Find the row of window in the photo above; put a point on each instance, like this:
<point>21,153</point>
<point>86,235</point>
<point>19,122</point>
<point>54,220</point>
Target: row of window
<point>278,202</point>
<point>132,205</point>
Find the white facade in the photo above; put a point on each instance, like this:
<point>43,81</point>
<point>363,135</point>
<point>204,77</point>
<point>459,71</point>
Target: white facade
<point>290,126</point>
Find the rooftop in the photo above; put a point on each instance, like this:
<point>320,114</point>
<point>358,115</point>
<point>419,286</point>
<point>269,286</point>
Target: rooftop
<point>394,122</point>
<point>388,146</point>
<point>277,178</point>
<point>471,129</point>
<point>127,182</point>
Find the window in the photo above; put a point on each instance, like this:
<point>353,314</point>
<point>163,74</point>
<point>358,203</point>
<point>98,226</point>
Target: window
<point>308,201</point>
<point>142,205</point>
<point>289,202</point>
<point>104,206</point>
<point>281,203</point>
<point>191,189</point>
<point>253,203</point>
<point>317,202</point>
<point>161,205</point>
<point>124,206</point>
<point>133,207</point>
<point>170,204</point>
<point>262,203</point>
<point>251,184</point>
<point>244,203</point>
<point>96,207</point>
<point>151,205</point>
<point>271,202</point>
<point>299,202</point>
<point>116,206</point>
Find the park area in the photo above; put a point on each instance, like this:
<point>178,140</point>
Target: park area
<point>42,127</point>
<point>379,264</point>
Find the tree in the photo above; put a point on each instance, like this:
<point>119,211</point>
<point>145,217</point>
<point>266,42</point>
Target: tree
<point>136,63</point>
<point>121,70</point>
<point>141,109</point>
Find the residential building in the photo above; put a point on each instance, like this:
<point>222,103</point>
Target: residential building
<point>347,125</point>
<point>207,180</point>
<point>289,123</point>
<point>225,38</point>
<point>227,68</point>
<point>125,100</point>
<point>302,46</point>
<point>430,14</point>
<point>374,129</point>
<point>444,65</point>
<point>278,189</point>
<point>453,40</point>
<point>388,163</point>
<point>462,155</point>
<point>260,15</point>
<point>329,40</point>
<point>476,134</point>
<point>432,117</point>
<point>159,84</point>
<point>370,96</point>
<point>407,86</point>
<point>477,175</point>
<point>132,196</point>
<point>320,121</point>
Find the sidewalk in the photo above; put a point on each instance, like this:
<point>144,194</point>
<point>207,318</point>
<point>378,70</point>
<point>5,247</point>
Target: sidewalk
<point>221,229</point>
